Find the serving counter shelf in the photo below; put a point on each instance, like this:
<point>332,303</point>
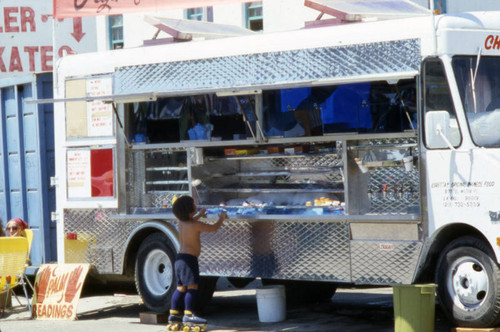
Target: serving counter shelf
<point>285,172</point>
<point>273,156</point>
<point>273,190</point>
<point>166,214</point>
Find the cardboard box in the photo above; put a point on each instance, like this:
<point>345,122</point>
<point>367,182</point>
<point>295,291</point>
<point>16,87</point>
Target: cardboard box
<point>274,150</point>
<point>297,149</point>
<point>153,318</point>
<point>230,152</point>
<point>246,152</point>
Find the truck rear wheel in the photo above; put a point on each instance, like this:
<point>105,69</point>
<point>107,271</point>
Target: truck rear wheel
<point>469,283</point>
<point>154,272</point>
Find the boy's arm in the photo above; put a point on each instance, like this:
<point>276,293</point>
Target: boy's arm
<point>212,227</point>
<point>200,214</point>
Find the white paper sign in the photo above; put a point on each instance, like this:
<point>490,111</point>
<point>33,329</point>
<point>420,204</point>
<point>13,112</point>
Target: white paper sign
<point>100,115</point>
<point>78,173</point>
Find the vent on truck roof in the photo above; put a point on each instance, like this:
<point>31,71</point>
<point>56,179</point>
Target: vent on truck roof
<point>349,11</point>
<point>185,30</point>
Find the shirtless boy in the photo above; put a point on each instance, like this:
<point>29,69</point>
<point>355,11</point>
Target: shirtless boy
<point>186,263</point>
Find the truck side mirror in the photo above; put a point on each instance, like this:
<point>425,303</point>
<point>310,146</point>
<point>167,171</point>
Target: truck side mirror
<point>437,124</point>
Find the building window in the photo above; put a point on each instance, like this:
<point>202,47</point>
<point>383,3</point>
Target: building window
<point>440,5</point>
<point>253,13</point>
<point>116,32</point>
<point>200,14</point>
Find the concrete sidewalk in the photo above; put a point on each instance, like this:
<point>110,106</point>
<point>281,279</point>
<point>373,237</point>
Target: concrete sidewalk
<point>230,310</point>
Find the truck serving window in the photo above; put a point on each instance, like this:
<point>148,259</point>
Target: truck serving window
<point>369,107</point>
<point>437,96</point>
<point>479,86</point>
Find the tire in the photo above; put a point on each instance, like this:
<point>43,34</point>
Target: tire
<point>154,272</point>
<point>303,291</point>
<point>469,283</point>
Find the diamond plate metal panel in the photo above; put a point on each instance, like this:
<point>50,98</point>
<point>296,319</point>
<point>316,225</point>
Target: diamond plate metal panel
<point>403,193</point>
<point>227,251</point>
<point>384,262</point>
<point>102,258</point>
<point>278,249</point>
<point>270,68</point>
<point>105,237</point>
<point>393,189</point>
<point>291,249</point>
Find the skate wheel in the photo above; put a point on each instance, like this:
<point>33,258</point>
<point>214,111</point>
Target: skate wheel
<point>173,327</point>
<point>196,329</point>
<point>186,329</point>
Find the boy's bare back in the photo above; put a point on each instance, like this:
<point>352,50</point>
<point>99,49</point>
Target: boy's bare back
<point>189,233</point>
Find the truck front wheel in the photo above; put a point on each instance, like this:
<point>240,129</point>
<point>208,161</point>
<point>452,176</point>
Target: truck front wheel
<point>154,272</point>
<point>469,283</point>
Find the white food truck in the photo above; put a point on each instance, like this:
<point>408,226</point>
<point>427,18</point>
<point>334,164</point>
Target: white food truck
<point>359,154</point>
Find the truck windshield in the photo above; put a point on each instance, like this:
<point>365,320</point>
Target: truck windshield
<point>479,87</point>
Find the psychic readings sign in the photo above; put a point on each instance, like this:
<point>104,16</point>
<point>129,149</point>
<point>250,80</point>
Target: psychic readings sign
<point>57,291</point>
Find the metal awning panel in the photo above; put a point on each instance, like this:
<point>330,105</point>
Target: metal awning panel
<point>284,68</point>
<point>190,29</point>
<point>380,9</point>
<point>389,60</point>
<point>233,91</point>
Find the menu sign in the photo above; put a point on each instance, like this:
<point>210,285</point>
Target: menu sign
<point>78,173</point>
<point>100,114</point>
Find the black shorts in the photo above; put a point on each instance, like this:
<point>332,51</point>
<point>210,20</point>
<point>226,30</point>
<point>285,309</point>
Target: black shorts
<point>187,271</point>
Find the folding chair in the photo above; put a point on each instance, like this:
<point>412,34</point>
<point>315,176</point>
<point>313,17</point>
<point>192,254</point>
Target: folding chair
<point>13,256</point>
<point>29,237</point>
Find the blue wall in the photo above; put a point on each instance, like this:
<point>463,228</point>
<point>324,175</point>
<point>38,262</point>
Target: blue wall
<point>27,161</point>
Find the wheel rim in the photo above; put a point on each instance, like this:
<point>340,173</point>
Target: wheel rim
<point>468,283</point>
<point>158,272</point>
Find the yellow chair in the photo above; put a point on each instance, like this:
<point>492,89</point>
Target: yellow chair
<point>13,255</point>
<point>29,237</point>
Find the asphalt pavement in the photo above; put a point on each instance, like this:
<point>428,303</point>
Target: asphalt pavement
<point>112,309</point>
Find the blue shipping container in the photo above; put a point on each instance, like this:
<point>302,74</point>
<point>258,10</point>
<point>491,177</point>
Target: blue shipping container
<point>27,161</point>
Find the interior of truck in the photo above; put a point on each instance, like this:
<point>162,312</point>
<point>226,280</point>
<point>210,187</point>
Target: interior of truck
<point>373,107</point>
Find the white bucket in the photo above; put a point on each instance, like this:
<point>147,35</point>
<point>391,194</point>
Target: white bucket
<point>271,303</point>
<point>408,163</point>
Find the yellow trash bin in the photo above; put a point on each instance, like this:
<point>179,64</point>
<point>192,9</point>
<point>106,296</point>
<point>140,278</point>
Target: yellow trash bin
<point>414,308</point>
<point>75,251</point>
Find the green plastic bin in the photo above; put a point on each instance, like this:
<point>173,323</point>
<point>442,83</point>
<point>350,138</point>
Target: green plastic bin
<point>414,308</point>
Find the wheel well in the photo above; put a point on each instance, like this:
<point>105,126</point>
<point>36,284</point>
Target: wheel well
<point>438,242</point>
<point>133,246</point>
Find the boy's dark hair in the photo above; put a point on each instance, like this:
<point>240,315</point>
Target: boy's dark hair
<point>183,207</point>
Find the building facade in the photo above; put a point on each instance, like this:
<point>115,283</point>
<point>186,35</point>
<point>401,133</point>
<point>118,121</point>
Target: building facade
<point>131,30</point>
